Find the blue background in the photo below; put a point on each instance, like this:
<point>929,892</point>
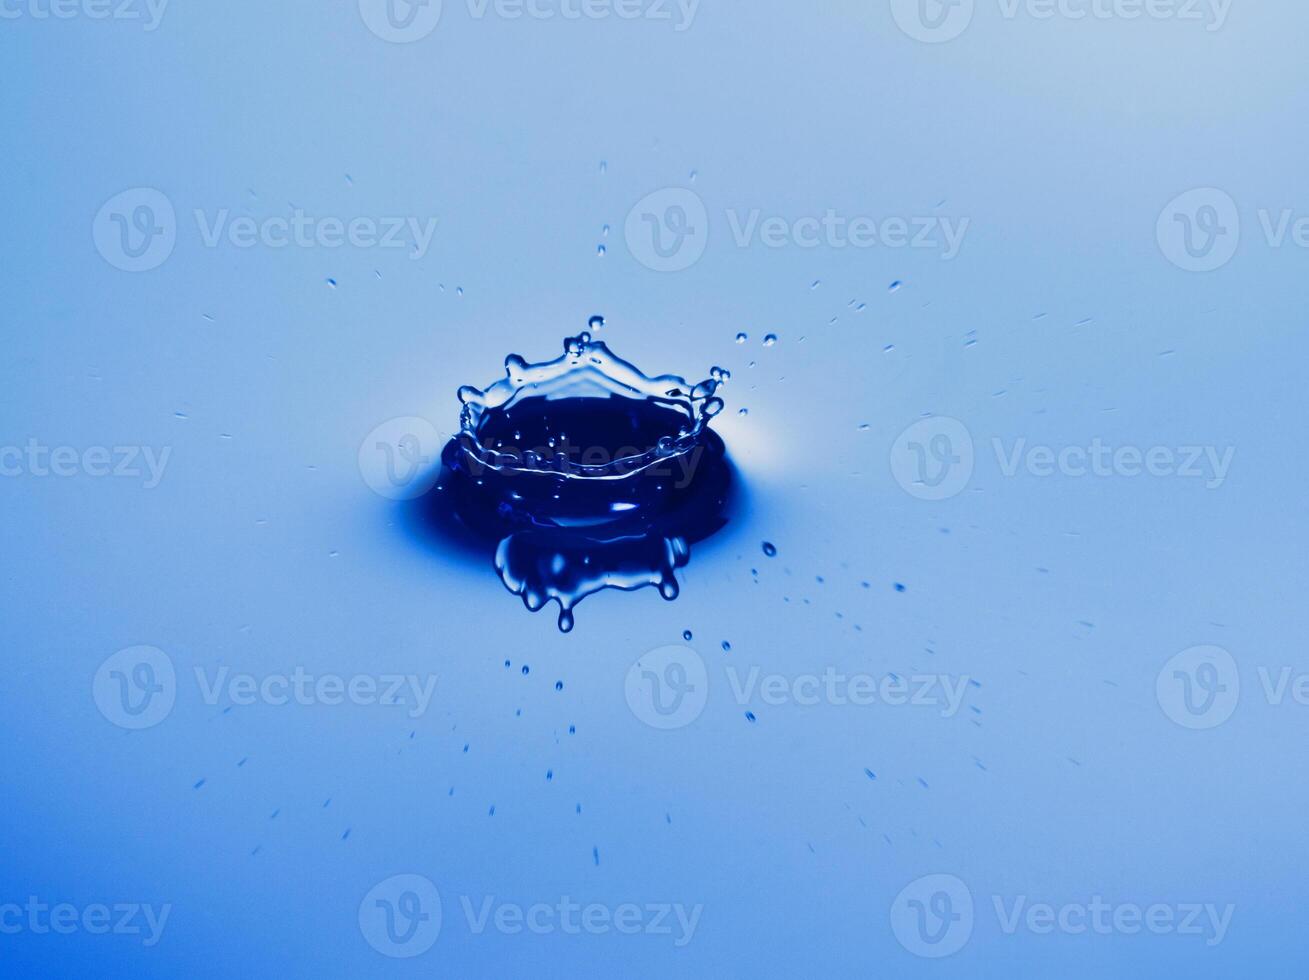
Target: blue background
<point>1059,140</point>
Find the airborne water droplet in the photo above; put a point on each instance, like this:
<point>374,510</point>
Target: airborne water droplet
<point>742,337</point>
<point>596,322</point>
<point>770,339</point>
<point>770,549</point>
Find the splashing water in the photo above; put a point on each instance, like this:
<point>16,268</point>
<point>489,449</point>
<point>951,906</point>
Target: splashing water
<point>588,474</point>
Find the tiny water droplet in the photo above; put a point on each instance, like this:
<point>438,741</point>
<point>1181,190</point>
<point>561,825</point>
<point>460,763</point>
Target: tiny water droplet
<point>749,716</point>
<point>559,685</point>
<point>815,284</point>
<point>600,250</point>
<point>743,411</point>
<point>895,285</point>
<point>727,647</point>
<point>686,635</point>
<point>770,339</point>
<point>596,322</point>
<point>331,282</point>
<point>770,549</point>
<point>526,670</point>
<point>604,166</point>
<point>742,337</point>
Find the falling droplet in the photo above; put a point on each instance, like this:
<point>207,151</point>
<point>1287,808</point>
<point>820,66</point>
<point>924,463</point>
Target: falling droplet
<point>604,166</point>
<point>596,322</point>
<point>743,411</point>
<point>686,635</point>
<point>727,647</point>
<point>770,549</point>
<point>600,250</point>
<point>332,283</point>
<point>770,339</point>
<point>895,285</point>
<point>742,337</point>
<point>559,685</point>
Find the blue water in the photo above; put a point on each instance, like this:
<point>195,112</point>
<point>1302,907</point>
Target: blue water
<point>246,686</point>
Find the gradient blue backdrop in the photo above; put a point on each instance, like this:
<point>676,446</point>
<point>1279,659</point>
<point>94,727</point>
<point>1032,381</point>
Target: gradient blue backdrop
<point>1059,140</point>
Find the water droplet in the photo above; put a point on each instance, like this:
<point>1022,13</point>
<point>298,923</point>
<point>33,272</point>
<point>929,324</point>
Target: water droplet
<point>727,647</point>
<point>604,166</point>
<point>332,283</point>
<point>526,670</point>
<point>770,549</point>
<point>596,322</point>
<point>770,339</point>
<point>600,250</point>
<point>815,284</point>
<point>743,411</point>
<point>559,685</point>
<point>686,635</point>
<point>742,337</point>
<point>899,587</point>
<point>895,285</point>
<point>749,716</point>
